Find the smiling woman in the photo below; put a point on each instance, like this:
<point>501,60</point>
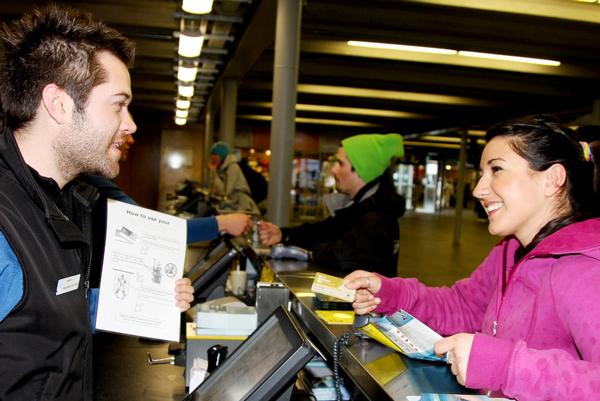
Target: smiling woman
<point>526,303</point>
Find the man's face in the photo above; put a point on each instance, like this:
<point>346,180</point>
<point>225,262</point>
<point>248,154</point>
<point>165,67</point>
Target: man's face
<point>215,160</point>
<point>347,181</point>
<point>91,142</point>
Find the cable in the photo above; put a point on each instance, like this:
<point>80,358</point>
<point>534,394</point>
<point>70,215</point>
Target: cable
<point>339,381</point>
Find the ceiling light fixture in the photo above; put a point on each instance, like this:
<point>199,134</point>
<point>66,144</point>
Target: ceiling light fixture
<point>183,104</point>
<point>190,44</point>
<point>342,110</point>
<point>181,113</point>
<point>405,48</point>
<point>185,90</point>
<point>305,120</point>
<point>180,121</point>
<point>451,52</point>
<point>186,74</point>
<point>515,59</point>
<point>392,95</point>
<point>197,6</point>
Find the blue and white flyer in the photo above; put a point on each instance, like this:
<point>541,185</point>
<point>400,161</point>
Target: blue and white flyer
<point>404,333</point>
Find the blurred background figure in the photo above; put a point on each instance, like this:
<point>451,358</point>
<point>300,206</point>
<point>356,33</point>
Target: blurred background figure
<point>227,180</point>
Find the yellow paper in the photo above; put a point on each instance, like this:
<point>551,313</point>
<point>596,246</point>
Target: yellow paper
<point>336,316</point>
<point>375,334</point>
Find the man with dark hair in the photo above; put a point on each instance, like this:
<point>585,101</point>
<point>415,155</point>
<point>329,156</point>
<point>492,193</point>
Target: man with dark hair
<point>66,91</point>
<point>365,232</point>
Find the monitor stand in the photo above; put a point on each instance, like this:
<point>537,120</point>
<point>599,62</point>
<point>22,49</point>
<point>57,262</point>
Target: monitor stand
<point>215,290</point>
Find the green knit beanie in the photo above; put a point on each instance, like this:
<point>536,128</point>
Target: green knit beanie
<point>370,154</point>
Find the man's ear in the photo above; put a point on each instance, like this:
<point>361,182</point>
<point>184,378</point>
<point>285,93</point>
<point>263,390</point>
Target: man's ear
<point>556,177</point>
<point>57,103</point>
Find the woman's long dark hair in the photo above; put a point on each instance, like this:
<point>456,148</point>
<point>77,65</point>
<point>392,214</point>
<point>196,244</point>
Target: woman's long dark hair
<point>543,141</point>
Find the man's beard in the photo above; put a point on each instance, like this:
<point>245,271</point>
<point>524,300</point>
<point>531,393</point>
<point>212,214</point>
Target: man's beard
<point>81,148</point>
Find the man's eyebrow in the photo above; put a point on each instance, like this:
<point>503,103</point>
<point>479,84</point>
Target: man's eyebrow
<point>123,94</point>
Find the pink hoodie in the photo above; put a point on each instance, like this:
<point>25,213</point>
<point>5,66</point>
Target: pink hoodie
<point>546,309</point>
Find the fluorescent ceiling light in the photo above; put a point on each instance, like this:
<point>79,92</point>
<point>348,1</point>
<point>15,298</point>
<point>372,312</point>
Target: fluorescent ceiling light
<point>436,138</point>
<point>451,52</point>
<point>392,95</point>
<point>190,45</point>
<point>183,104</point>
<point>476,132</point>
<point>405,48</point>
<point>185,90</point>
<point>187,74</point>
<point>180,121</point>
<point>342,110</point>
<point>303,120</point>
<point>431,145</point>
<point>197,6</point>
<point>515,59</point>
<point>381,94</point>
<point>181,113</point>
<point>561,9</point>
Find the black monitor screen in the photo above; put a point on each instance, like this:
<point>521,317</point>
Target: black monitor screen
<point>262,366</point>
<point>212,272</point>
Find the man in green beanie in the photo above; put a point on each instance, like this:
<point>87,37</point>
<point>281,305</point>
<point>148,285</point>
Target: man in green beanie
<point>365,233</point>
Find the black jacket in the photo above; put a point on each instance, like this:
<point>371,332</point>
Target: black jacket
<point>363,235</point>
<point>45,341</point>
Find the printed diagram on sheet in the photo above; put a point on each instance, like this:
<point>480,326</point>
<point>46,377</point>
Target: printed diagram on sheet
<point>143,257</point>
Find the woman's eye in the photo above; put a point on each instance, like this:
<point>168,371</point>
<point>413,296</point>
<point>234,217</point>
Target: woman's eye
<point>496,169</point>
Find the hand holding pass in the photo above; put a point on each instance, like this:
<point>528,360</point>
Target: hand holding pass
<point>366,284</point>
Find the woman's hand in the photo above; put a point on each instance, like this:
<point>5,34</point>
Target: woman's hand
<point>184,294</point>
<point>457,349</point>
<point>268,233</point>
<point>366,284</point>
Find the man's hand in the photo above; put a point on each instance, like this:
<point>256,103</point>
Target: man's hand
<point>234,224</point>
<point>269,233</point>
<point>457,349</point>
<point>366,284</point>
<point>184,294</point>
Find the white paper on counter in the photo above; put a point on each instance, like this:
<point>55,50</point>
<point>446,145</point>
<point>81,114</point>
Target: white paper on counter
<point>143,257</point>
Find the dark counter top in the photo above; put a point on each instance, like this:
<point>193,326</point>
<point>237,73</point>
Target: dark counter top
<point>379,372</point>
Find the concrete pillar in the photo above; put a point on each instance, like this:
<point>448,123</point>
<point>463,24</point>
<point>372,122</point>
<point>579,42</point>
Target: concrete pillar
<point>283,129</point>
<point>208,138</point>
<point>228,111</point>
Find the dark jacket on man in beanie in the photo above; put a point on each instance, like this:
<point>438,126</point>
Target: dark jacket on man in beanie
<point>363,235</point>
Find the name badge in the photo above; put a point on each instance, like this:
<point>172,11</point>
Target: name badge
<point>68,284</point>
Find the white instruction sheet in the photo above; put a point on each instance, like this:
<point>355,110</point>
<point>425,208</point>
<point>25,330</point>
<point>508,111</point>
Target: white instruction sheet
<point>143,257</point>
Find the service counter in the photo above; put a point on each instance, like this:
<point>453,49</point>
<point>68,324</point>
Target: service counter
<point>378,371</point>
